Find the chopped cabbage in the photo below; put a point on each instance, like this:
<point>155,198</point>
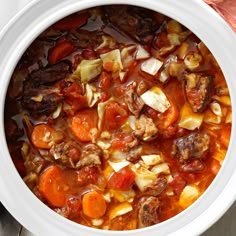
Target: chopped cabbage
<point>108,42</point>
<point>141,53</point>
<point>113,57</point>
<point>188,119</point>
<point>188,196</point>
<point>120,209</point>
<point>89,69</point>
<point>151,66</point>
<point>156,99</point>
<point>116,166</point>
<point>161,168</point>
<point>152,159</point>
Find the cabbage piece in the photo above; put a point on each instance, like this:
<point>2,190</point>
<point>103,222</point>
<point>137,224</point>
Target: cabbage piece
<point>152,159</point>
<point>190,120</point>
<point>141,53</point>
<point>128,56</point>
<point>162,168</point>
<point>143,177</point>
<point>189,194</point>
<point>120,209</point>
<point>123,196</point>
<point>156,99</point>
<point>92,95</point>
<point>210,117</point>
<point>151,66</point>
<point>89,69</point>
<point>116,166</point>
<point>113,57</point>
<point>108,42</point>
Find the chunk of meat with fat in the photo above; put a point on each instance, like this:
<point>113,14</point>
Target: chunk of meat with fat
<point>194,145</point>
<point>39,96</point>
<point>91,155</point>
<point>145,129</point>
<point>134,102</point>
<point>199,89</point>
<point>148,211</point>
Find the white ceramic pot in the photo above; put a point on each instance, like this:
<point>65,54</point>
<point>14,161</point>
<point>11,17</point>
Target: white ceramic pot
<point>36,216</point>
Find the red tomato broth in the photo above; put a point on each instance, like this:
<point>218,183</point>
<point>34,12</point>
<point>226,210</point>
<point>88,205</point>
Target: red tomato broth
<point>103,137</point>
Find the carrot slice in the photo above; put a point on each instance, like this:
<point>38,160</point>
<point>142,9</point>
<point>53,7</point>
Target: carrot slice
<point>72,21</point>
<point>83,123</point>
<point>44,136</point>
<point>60,51</point>
<point>53,186</point>
<point>94,204</point>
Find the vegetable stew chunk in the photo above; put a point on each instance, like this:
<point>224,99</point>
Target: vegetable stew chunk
<point>148,211</point>
<point>90,156</point>
<point>108,123</point>
<point>195,145</point>
<point>39,94</point>
<point>199,90</point>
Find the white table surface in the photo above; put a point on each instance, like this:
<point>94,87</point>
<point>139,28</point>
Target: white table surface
<point>226,226</point>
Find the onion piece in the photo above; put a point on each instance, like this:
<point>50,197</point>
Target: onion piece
<point>141,53</point>
<point>89,69</point>
<point>156,99</point>
<point>116,166</point>
<point>151,66</point>
<point>188,195</point>
<point>120,209</point>
<point>152,159</point>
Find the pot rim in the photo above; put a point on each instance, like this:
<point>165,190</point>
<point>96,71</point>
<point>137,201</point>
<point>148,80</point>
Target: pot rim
<point>17,36</point>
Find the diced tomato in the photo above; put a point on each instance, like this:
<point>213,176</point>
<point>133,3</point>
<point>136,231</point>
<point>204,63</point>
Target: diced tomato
<point>114,116</point>
<point>178,184</point>
<point>75,206</point>
<point>60,51</point>
<point>104,81</point>
<point>121,141</point>
<point>122,180</point>
<point>87,175</point>
<point>72,21</point>
<point>88,54</point>
<point>73,96</point>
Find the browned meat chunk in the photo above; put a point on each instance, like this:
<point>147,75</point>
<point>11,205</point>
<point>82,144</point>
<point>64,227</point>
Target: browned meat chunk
<point>134,102</point>
<point>145,130</point>
<point>39,96</point>
<point>148,211</point>
<point>134,154</point>
<point>194,165</point>
<point>195,145</point>
<point>91,155</point>
<point>156,188</point>
<point>199,89</point>
<point>136,22</point>
<point>67,153</point>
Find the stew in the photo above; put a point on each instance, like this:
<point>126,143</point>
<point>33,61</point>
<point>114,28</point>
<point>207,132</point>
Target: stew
<point>118,117</point>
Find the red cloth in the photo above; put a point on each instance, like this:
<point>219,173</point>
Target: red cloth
<point>226,8</point>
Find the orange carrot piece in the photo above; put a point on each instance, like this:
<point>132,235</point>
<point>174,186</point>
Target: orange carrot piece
<point>42,136</point>
<point>225,136</point>
<point>53,186</point>
<point>94,205</point>
<point>60,51</point>
<point>215,166</point>
<point>82,124</point>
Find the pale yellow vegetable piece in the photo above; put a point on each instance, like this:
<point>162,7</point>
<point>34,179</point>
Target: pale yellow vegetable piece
<point>161,168</point>
<point>151,66</point>
<point>188,119</point>
<point>188,196</point>
<point>152,159</point>
<point>89,69</point>
<point>120,209</point>
<point>156,99</point>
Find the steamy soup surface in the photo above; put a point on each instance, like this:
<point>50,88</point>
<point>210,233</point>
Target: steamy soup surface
<point>117,117</point>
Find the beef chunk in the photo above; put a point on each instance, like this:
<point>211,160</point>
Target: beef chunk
<point>194,145</point>
<point>91,155</point>
<point>145,130</point>
<point>199,89</point>
<point>136,22</point>
<point>135,103</point>
<point>39,96</point>
<point>148,211</point>
<point>193,166</point>
<point>156,188</point>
